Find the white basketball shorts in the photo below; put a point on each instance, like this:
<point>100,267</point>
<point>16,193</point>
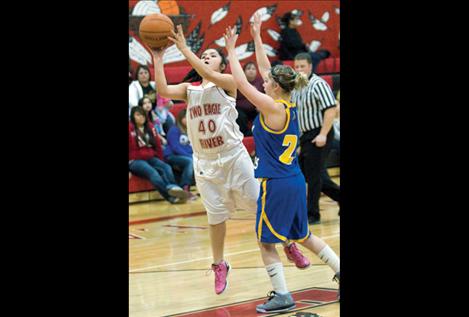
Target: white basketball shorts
<point>226,182</point>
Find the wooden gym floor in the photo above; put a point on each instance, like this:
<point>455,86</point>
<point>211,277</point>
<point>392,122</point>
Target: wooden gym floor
<point>169,254</point>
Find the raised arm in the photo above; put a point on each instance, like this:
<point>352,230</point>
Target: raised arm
<point>261,57</point>
<point>224,81</point>
<point>178,92</point>
<point>264,103</point>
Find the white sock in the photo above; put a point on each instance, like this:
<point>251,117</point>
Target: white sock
<point>277,278</point>
<point>329,257</point>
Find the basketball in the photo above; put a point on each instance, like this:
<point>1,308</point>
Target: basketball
<point>154,30</point>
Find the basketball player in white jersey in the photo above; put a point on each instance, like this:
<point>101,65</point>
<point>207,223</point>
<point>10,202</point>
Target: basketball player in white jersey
<point>223,169</point>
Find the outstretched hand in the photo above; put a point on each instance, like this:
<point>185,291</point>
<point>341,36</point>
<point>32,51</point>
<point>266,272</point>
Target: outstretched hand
<point>178,38</point>
<point>256,26</point>
<point>158,53</point>
<point>155,52</point>
<point>230,38</point>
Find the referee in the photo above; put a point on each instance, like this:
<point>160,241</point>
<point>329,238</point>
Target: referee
<point>316,112</point>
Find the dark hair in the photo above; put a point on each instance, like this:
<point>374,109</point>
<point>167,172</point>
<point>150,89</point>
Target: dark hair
<point>193,76</point>
<point>179,118</point>
<point>142,67</point>
<point>289,16</point>
<point>148,115</point>
<point>146,126</point>
<point>247,64</point>
<point>140,102</point>
<point>140,110</point>
<point>287,78</point>
<point>304,56</point>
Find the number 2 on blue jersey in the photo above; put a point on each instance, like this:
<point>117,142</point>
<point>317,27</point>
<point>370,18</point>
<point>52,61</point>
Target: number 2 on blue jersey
<point>290,140</point>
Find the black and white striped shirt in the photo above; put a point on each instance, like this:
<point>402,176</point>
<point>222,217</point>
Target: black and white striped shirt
<point>311,101</point>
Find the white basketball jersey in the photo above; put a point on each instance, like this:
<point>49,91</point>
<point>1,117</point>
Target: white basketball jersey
<point>211,120</point>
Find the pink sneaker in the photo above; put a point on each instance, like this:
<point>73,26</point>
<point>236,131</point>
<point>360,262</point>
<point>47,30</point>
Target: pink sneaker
<point>295,255</point>
<point>221,272</point>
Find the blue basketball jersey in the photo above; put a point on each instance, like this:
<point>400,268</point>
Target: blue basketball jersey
<point>276,150</point>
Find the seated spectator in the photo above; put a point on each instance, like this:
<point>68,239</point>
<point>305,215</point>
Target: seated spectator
<point>246,111</point>
<point>152,118</point>
<point>162,111</point>
<point>179,152</point>
<point>146,158</point>
<point>141,86</point>
<point>292,44</point>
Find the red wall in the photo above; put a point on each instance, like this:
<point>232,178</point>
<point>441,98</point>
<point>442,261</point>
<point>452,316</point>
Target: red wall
<point>202,12</point>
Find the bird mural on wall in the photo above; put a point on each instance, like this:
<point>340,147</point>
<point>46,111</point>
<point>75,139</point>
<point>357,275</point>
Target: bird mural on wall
<point>322,18</point>
<point>138,53</point>
<point>146,8</point>
<point>239,25</point>
<point>221,40</point>
<point>269,50</point>
<point>265,13</point>
<point>219,14</point>
<point>245,50</point>
<point>194,41</point>
<point>319,24</point>
<point>314,45</point>
<point>274,34</point>
<point>192,37</point>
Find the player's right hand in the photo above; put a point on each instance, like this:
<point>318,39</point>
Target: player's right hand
<point>158,52</point>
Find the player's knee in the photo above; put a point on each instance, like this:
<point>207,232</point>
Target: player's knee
<point>267,247</point>
<point>217,218</point>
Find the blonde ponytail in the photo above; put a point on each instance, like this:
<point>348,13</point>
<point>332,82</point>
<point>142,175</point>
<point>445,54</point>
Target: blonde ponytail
<point>301,80</point>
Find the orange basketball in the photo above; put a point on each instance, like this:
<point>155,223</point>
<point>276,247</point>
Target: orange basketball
<point>154,30</point>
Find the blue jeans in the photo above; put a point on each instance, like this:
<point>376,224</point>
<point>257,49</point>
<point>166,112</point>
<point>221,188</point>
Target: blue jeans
<point>156,171</point>
<point>185,163</point>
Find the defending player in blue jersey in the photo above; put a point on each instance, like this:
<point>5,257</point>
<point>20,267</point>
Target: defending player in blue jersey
<point>281,210</point>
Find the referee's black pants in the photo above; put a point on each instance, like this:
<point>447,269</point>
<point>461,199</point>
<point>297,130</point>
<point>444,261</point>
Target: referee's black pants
<point>313,161</point>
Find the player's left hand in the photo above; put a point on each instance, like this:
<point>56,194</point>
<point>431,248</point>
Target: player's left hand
<point>230,38</point>
<point>320,140</point>
<point>256,26</point>
<point>178,38</point>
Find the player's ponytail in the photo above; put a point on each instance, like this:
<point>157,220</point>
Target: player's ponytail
<point>192,76</point>
<point>300,81</point>
<point>287,78</point>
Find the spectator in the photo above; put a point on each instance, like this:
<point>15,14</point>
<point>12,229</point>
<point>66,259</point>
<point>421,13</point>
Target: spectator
<point>146,158</point>
<point>162,111</point>
<point>152,118</point>
<point>246,111</point>
<point>178,152</point>
<point>292,44</point>
<point>141,86</point>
